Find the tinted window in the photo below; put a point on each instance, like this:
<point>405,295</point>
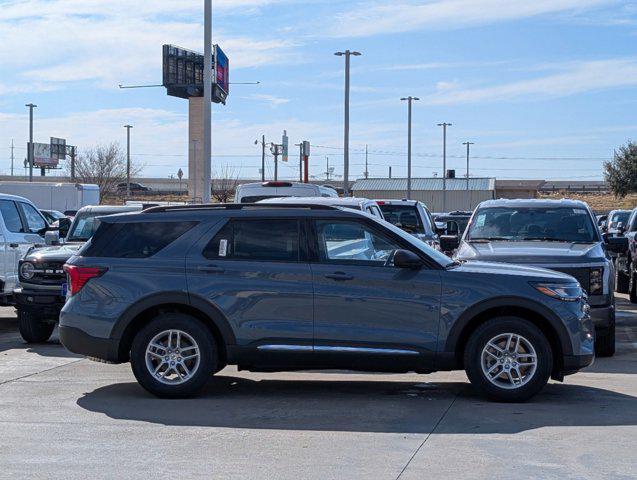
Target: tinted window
<point>403,216</point>
<point>258,198</point>
<point>134,240</point>
<point>11,216</point>
<point>533,223</point>
<point>35,222</point>
<point>259,240</point>
<point>353,242</point>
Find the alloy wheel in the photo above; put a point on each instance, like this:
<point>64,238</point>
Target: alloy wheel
<point>509,361</point>
<point>172,357</point>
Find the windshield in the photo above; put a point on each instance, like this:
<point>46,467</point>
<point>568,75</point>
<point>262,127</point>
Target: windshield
<point>84,226</point>
<point>618,217</point>
<point>557,224</point>
<point>403,216</point>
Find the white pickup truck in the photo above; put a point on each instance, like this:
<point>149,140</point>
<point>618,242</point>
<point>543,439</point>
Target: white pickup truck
<point>21,227</point>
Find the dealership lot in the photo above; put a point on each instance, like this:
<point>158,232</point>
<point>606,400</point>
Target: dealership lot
<point>63,416</point>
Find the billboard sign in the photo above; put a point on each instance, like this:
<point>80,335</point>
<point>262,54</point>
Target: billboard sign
<point>42,156</point>
<point>58,148</point>
<point>183,73</point>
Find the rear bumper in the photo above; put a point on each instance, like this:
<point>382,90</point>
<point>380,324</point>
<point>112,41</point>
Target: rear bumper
<point>80,342</point>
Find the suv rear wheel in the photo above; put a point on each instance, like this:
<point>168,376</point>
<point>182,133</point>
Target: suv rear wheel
<point>508,359</point>
<point>174,355</point>
<point>32,329</point>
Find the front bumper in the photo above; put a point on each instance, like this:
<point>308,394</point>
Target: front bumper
<point>574,363</point>
<point>46,303</point>
<point>603,317</point>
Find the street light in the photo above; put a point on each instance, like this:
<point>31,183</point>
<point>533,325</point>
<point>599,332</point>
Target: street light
<point>409,102</point>
<point>128,127</point>
<point>30,151</point>
<point>207,100</point>
<point>444,126</point>
<point>347,54</point>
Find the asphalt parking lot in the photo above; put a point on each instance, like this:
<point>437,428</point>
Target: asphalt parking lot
<point>62,416</point>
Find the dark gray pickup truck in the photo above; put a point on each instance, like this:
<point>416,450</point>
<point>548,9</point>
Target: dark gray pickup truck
<point>556,234</point>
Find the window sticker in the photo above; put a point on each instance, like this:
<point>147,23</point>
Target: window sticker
<point>223,247</point>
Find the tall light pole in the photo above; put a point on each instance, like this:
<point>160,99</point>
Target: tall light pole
<point>128,127</point>
<point>444,126</point>
<point>30,150</point>
<point>409,102</point>
<point>468,144</point>
<point>262,142</point>
<point>207,101</point>
<point>347,54</point>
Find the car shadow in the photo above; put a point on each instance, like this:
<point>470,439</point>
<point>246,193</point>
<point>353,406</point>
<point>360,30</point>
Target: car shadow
<point>10,339</point>
<point>362,406</point>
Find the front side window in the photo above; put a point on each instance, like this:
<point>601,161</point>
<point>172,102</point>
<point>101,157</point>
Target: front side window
<point>258,240</point>
<point>35,222</point>
<point>353,242</point>
<point>11,216</point>
<point>557,224</point>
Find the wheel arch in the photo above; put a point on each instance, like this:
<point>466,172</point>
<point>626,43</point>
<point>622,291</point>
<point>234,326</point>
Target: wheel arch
<point>148,308</point>
<point>543,318</point>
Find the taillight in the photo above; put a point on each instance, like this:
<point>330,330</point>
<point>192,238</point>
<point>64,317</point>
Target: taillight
<point>78,276</point>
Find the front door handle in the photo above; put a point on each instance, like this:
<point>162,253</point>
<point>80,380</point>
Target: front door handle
<point>210,269</point>
<point>14,245</point>
<point>339,276</point>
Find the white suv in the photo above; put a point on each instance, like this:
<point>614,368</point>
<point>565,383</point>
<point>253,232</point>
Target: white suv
<point>21,227</point>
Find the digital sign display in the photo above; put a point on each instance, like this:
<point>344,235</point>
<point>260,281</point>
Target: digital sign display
<point>183,73</point>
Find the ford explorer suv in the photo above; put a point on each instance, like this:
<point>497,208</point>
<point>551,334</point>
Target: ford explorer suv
<point>181,292</point>
<point>557,234</point>
<point>41,290</point>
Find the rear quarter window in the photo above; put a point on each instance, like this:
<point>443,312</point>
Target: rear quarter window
<point>134,240</point>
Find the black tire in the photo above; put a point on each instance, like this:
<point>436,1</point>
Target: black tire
<point>208,355</point>
<point>632,283</point>
<point>491,329</point>
<point>621,281</point>
<point>32,329</point>
<point>605,342</point>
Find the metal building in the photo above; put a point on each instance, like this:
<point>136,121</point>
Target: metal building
<point>429,191</point>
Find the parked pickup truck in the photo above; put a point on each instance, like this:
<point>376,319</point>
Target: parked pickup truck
<point>41,291</point>
<point>559,235</point>
<point>626,262</point>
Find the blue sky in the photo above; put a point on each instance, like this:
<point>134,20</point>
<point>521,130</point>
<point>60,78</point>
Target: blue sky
<point>546,89</point>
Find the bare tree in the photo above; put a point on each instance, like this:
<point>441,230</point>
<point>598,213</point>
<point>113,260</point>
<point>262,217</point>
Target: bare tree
<point>104,165</point>
<point>225,186</point>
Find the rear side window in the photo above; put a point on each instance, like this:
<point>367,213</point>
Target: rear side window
<point>257,240</point>
<point>134,240</point>
<point>11,216</point>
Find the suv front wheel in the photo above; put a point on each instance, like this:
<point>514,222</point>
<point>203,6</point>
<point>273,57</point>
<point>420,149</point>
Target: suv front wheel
<point>508,359</point>
<point>174,355</point>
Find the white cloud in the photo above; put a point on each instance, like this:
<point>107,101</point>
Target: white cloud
<point>403,16</point>
<point>273,100</point>
<point>575,77</point>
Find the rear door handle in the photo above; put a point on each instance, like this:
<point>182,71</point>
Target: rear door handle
<point>339,276</point>
<point>14,245</point>
<point>210,269</point>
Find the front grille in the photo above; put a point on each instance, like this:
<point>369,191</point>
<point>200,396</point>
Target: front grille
<point>50,273</point>
<point>582,275</point>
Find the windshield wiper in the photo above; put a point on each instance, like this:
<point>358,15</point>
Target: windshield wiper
<point>543,239</point>
<point>487,239</point>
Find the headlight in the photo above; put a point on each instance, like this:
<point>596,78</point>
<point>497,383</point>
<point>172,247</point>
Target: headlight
<point>27,270</point>
<point>568,292</point>
<point>596,281</point>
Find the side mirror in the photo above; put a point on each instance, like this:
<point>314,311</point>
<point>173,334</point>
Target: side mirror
<point>621,229</point>
<point>64,224</point>
<point>407,259</point>
<point>616,244</point>
<point>449,243</point>
<point>52,237</point>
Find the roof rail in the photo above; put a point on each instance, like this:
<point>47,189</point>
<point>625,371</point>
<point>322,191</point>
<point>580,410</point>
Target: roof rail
<point>238,206</point>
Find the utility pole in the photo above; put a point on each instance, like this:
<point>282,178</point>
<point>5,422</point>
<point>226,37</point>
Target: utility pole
<point>468,144</point>
<point>30,149</point>
<point>274,148</point>
<point>409,102</point>
<point>300,145</point>
<point>366,164</point>
<point>327,169</point>
<point>12,157</point>
<point>207,101</point>
<point>444,126</point>
<point>256,142</point>
<point>73,156</point>
<point>390,171</point>
<point>347,54</point>
<point>128,127</point>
